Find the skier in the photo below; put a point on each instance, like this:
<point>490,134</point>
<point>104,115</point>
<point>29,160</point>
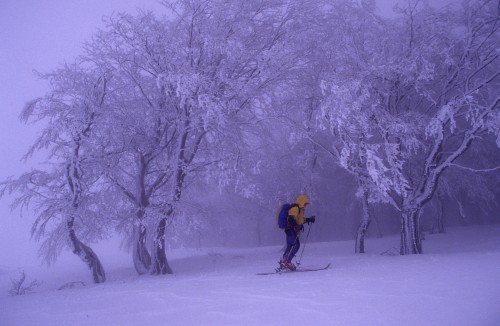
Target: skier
<point>294,225</point>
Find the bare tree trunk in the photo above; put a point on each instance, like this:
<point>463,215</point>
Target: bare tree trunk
<point>160,263</point>
<point>363,226</point>
<point>141,256</point>
<point>160,259</point>
<point>74,181</point>
<point>411,241</point>
<point>86,254</point>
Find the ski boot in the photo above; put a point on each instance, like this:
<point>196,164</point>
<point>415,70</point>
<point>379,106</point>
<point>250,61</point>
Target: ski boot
<point>285,264</point>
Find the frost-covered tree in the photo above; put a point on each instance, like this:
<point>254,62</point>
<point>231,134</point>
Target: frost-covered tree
<point>402,100</point>
<point>138,131</point>
<point>429,88</point>
<point>336,110</point>
<point>451,87</point>
<point>63,196</point>
<point>235,56</point>
<point>182,88</point>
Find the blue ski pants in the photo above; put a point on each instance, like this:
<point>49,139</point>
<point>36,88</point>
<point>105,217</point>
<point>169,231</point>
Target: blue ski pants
<point>292,244</point>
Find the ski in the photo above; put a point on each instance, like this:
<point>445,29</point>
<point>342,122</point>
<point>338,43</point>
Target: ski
<point>297,270</point>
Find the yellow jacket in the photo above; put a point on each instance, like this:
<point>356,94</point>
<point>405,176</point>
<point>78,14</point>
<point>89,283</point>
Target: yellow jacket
<point>297,212</point>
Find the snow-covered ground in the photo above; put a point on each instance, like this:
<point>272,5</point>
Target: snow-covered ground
<point>456,282</point>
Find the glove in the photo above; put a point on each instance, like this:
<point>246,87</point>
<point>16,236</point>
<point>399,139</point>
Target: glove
<point>311,219</point>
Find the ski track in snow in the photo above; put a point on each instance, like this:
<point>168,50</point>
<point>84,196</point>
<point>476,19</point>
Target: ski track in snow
<point>454,283</point>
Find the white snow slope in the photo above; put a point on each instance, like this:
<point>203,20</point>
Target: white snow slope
<point>456,282</point>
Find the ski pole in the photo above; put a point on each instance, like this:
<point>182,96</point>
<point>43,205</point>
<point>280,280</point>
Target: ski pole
<point>304,247</point>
